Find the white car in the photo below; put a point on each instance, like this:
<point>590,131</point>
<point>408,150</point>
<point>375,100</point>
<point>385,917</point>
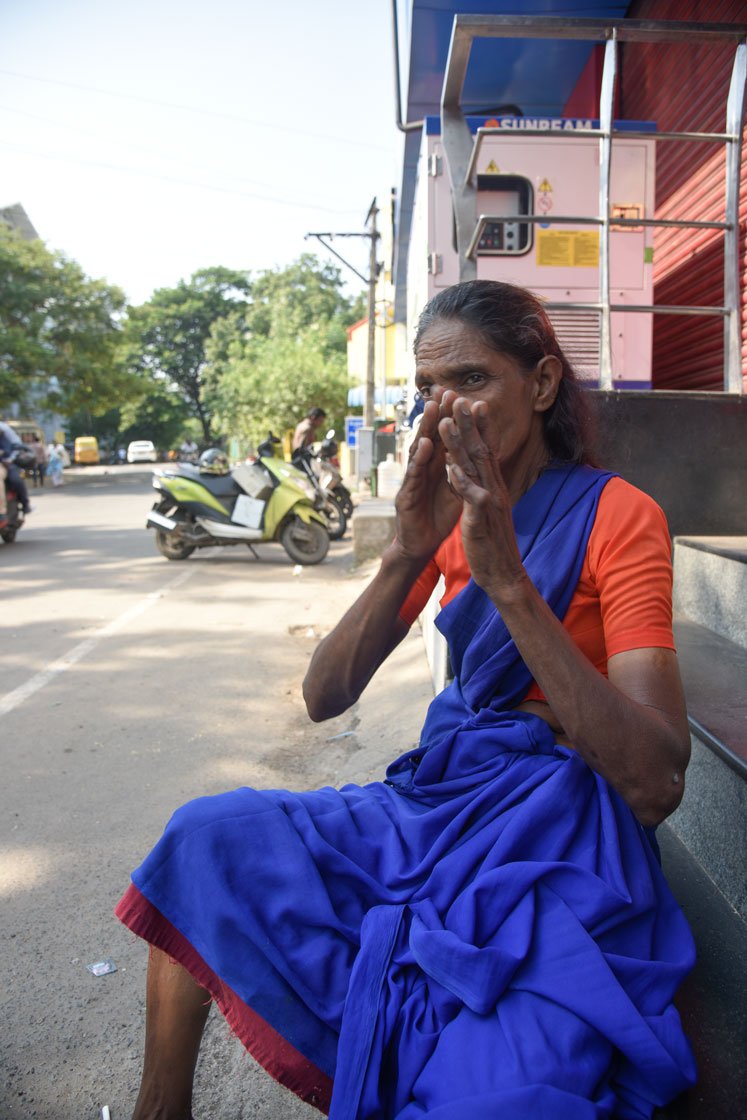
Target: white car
<point>141,451</point>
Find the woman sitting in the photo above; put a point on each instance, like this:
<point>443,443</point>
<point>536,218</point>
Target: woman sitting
<point>487,931</point>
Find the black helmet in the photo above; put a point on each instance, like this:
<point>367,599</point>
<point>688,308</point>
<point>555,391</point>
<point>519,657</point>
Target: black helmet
<point>214,461</point>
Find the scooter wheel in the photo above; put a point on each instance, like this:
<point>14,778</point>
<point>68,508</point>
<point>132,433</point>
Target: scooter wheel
<point>336,520</point>
<point>305,543</point>
<point>9,535</point>
<point>170,546</point>
<point>344,502</point>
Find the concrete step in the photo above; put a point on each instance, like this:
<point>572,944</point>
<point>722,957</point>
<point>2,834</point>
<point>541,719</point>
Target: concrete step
<point>711,819</point>
<point>373,528</point>
<point>713,1013</point>
<point>710,583</point>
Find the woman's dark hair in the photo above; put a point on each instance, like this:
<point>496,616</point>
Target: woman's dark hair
<point>513,321</point>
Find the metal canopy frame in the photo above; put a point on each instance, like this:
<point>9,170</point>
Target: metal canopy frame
<point>461,149</point>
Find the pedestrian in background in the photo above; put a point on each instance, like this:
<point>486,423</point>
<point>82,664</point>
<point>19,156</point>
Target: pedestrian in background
<point>55,463</point>
<point>307,428</point>
<point>40,452</point>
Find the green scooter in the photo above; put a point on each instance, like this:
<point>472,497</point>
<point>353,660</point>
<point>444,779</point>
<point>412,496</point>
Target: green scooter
<point>204,504</point>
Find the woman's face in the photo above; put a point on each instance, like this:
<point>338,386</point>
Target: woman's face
<point>452,355</point>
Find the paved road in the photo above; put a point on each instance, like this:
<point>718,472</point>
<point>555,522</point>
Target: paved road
<point>128,685</point>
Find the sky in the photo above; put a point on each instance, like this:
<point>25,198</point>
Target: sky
<point>147,139</point>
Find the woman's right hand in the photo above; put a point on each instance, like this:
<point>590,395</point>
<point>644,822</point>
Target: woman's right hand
<point>427,507</point>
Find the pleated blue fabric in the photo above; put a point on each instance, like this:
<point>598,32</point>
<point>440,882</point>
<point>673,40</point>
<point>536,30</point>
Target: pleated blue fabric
<point>487,932</point>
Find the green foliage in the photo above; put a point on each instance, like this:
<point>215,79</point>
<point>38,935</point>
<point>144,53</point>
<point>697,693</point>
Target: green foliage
<point>59,331</point>
<point>287,354</point>
<point>305,294</point>
<point>105,427</point>
<point>270,383</point>
<point>165,338</point>
<point>162,415</point>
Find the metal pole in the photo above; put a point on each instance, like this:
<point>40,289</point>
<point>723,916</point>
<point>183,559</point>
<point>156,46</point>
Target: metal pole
<point>733,380</point>
<point>458,145</point>
<point>368,408</point>
<point>606,114</point>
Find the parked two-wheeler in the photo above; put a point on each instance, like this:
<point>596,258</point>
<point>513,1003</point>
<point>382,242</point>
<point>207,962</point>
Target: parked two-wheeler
<point>326,501</point>
<point>26,461</point>
<point>327,464</point>
<point>261,500</point>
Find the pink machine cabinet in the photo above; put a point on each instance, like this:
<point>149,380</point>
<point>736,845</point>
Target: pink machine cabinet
<point>549,176</point>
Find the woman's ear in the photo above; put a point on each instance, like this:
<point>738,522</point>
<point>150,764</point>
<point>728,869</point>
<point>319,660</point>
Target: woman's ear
<point>547,377</point>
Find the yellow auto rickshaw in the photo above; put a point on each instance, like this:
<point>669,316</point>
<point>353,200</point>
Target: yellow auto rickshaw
<point>86,450</point>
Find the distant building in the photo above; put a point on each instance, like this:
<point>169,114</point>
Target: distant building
<point>16,217</point>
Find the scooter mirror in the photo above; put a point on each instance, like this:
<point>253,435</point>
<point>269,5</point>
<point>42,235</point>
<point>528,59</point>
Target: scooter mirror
<point>330,434</point>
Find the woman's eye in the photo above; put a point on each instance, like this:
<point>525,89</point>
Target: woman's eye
<point>473,379</point>
<point>425,391</point>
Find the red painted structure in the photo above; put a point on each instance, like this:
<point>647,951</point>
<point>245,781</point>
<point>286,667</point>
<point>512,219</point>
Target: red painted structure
<point>682,87</point>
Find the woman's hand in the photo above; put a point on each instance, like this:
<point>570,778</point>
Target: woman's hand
<point>427,506</point>
<point>476,479</point>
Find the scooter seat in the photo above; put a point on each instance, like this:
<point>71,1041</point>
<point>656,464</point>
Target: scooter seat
<point>221,485</point>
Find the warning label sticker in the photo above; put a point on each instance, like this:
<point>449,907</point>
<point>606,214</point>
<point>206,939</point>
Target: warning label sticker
<point>628,210</point>
<point>568,248</point>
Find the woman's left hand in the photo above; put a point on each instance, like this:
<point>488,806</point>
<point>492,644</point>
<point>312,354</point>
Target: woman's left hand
<point>476,477</point>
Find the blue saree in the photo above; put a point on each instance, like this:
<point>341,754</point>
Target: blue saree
<point>486,933</point>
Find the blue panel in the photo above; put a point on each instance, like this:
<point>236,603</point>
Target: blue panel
<point>535,75</point>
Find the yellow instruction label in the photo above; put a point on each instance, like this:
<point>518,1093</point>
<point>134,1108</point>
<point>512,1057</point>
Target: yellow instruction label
<point>568,248</point>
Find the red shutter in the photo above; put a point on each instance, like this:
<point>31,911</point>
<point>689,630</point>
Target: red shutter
<point>684,87</point>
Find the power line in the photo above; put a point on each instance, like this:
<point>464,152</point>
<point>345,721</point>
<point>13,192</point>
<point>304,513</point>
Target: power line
<point>144,148</point>
<point>273,125</point>
<point>299,204</point>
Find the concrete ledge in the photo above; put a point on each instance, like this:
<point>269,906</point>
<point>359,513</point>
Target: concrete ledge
<point>710,583</point>
<point>373,528</point>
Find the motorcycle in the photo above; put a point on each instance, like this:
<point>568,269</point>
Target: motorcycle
<point>326,464</point>
<point>26,460</point>
<point>326,500</point>
<point>263,499</point>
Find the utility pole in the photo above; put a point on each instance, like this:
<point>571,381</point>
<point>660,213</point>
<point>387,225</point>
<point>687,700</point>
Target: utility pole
<point>368,410</point>
<point>370,280</point>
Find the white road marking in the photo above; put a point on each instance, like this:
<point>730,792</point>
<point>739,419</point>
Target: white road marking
<point>12,699</point>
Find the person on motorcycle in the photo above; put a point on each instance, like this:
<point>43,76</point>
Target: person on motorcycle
<point>307,429</point>
<point>188,450</point>
<point>9,445</point>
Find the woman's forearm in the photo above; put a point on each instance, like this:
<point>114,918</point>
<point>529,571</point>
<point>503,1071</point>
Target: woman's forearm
<point>345,661</point>
<point>630,728</point>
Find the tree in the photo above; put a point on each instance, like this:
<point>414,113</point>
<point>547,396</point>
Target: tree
<point>269,383</point>
<point>286,354</point>
<point>305,293</point>
<point>59,331</point>
<point>162,415</point>
<point>165,338</point>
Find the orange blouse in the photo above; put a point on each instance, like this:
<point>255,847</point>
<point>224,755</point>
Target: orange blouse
<point>623,599</point>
